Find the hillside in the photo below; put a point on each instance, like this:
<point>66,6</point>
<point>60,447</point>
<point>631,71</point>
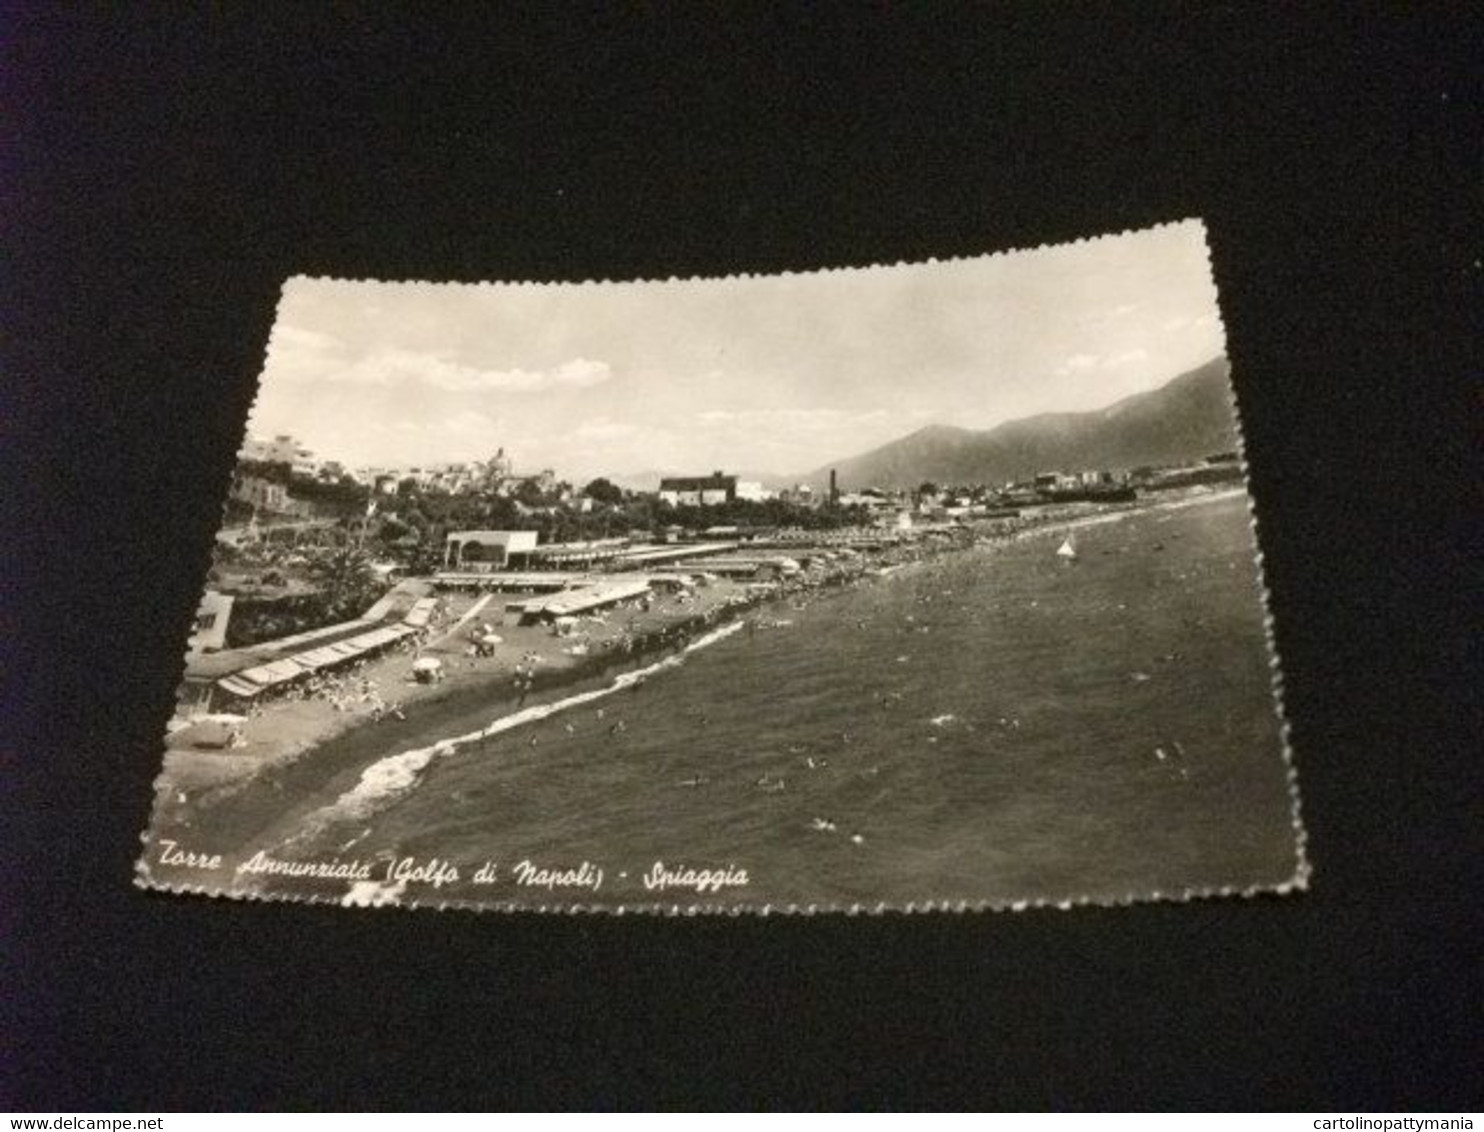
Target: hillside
<point>1186,419</point>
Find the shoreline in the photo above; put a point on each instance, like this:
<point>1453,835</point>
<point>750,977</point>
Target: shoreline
<point>193,784</point>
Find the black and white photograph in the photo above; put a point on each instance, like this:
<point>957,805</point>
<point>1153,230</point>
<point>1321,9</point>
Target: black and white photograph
<point>760,558</point>
<point>921,586</point>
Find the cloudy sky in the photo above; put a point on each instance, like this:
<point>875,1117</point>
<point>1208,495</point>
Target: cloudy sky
<point>770,374</point>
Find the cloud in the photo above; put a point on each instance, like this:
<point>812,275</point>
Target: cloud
<point>465,423</point>
<point>1078,361</point>
<point>399,367</point>
<point>600,446</point>
<point>470,421</point>
<point>799,420</point>
<point>604,429</point>
<point>1081,362</point>
<point>289,339</point>
<point>581,372</point>
<point>308,355</point>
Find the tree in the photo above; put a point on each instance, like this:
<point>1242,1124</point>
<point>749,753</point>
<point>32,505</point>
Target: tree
<point>392,528</point>
<point>346,580</point>
<point>529,492</point>
<point>425,558</point>
<point>602,490</point>
<point>928,488</point>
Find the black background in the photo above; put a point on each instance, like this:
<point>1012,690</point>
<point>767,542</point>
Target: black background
<point>168,167</point>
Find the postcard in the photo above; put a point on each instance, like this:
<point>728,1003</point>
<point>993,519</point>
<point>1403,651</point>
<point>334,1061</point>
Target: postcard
<point>921,586</point>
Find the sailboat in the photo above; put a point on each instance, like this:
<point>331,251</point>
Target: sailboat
<point>1067,550</point>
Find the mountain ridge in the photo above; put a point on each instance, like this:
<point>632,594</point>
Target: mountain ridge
<point>1187,418</point>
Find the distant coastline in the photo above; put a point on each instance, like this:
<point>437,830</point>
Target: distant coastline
<point>189,796</point>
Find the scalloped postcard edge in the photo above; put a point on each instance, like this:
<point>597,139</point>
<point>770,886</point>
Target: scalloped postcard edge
<point>388,896</point>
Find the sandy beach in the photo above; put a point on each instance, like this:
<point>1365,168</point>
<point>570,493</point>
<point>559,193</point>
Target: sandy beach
<point>285,727</point>
<point>530,660</point>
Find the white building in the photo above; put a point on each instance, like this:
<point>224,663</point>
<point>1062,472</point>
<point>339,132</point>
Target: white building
<point>492,550</point>
<point>282,449</point>
<point>706,491</point>
<point>209,631</point>
<point>258,492</point>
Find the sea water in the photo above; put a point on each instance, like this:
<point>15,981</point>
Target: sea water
<point>994,725</point>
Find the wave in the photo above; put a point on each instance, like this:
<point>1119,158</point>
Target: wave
<point>386,781</point>
<point>1080,522</point>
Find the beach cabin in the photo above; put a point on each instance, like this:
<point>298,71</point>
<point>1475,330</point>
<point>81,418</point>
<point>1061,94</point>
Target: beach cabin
<point>577,602</point>
<point>488,550</point>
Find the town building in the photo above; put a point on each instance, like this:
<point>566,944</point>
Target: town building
<point>873,499</point>
<point>497,469</point>
<point>491,550</point>
<point>209,630</point>
<point>708,490</point>
<point>455,479</point>
<point>544,481</point>
<point>260,493</point>
<point>282,449</point>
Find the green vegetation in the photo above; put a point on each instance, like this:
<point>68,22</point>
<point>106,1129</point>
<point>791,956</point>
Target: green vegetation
<point>345,580</point>
<point>761,513</point>
<point>601,490</point>
<point>411,528</point>
<point>343,495</point>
